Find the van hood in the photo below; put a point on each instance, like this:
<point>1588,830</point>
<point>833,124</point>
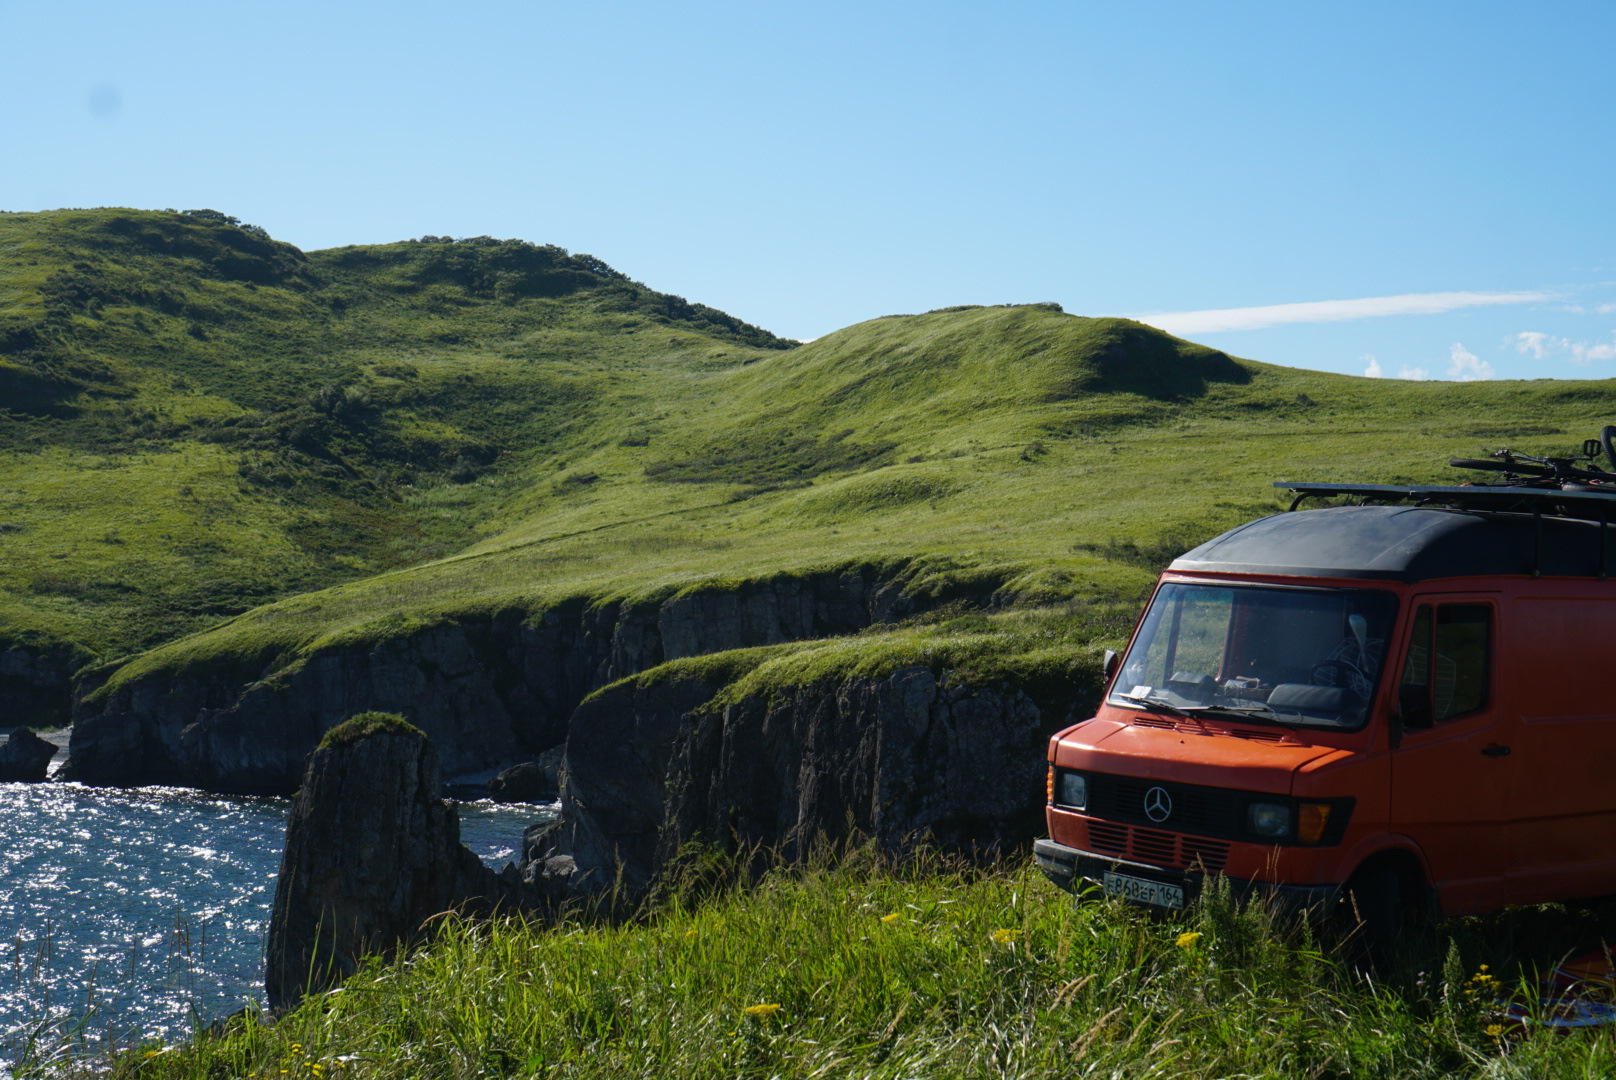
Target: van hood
<point>1248,759</point>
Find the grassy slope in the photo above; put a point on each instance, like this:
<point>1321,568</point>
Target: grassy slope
<point>1069,455</point>
<point>195,418</point>
<point>921,971</point>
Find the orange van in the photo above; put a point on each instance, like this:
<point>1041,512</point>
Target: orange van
<point>1401,698</point>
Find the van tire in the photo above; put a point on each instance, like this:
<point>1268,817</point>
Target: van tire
<point>1372,913</point>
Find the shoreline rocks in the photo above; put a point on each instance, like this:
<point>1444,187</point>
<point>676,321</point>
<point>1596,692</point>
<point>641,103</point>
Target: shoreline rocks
<point>533,781</point>
<point>25,757</point>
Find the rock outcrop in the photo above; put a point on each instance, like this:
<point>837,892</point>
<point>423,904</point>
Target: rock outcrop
<point>905,758</point>
<point>489,691</point>
<point>538,780</point>
<point>372,852</point>
<point>25,757</point>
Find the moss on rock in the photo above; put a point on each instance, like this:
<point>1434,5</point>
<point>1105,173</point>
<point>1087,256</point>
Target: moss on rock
<point>366,724</point>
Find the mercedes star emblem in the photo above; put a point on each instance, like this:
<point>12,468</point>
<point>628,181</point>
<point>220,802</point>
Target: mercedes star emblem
<point>1158,804</point>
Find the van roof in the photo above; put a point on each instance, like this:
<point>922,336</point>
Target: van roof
<point>1405,543</point>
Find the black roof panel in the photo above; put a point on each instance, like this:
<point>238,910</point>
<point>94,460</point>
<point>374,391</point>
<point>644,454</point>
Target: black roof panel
<point>1403,543</point>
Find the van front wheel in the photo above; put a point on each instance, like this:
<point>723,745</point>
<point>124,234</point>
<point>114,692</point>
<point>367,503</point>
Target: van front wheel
<point>1371,916</point>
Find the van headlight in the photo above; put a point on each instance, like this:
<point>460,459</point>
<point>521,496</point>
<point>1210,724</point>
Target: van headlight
<point>1269,819</point>
<point>1073,791</point>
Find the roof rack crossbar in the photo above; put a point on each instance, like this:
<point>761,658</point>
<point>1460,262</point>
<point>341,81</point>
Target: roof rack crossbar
<point>1553,502</point>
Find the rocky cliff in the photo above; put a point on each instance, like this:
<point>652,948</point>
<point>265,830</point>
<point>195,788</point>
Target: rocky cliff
<point>913,755</point>
<point>614,799</point>
<point>489,690</point>
<point>372,853</point>
<point>36,684</point>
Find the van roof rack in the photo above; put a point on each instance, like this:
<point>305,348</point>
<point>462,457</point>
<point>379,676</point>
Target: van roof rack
<point>1540,486</point>
<point>1588,505</point>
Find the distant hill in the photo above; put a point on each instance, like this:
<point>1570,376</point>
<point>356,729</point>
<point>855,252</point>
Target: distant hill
<point>196,418</point>
<point>372,440</point>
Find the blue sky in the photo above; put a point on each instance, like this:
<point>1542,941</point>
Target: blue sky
<point>1404,188</point>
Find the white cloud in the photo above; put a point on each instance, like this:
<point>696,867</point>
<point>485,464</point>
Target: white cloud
<point>1373,370</point>
<point>1583,353</point>
<point>1256,318</point>
<point>1606,309</point>
<point>1541,346</point>
<point>1415,373</point>
<point>1466,366</point>
<point>1534,344</point>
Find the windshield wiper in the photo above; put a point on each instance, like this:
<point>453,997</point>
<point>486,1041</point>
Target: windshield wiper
<point>1256,710</point>
<point>1157,703</point>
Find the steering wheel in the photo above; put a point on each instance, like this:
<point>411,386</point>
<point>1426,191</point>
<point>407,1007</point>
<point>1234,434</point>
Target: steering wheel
<point>1333,673</point>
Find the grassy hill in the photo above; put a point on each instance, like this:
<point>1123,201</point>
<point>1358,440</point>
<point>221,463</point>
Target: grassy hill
<point>195,418</point>
<point>199,419</point>
<point>1067,457</point>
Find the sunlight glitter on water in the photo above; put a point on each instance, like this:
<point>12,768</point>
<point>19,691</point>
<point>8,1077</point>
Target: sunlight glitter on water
<point>141,911</point>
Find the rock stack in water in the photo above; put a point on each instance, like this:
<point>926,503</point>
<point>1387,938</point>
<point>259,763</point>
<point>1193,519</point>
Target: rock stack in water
<point>25,757</point>
<point>372,853</point>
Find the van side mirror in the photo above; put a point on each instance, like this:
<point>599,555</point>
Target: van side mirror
<point>1112,660</point>
<point>1414,705</point>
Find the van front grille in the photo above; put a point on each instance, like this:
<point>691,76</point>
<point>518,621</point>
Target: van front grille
<point>1108,838</point>
<point>1156,847</point>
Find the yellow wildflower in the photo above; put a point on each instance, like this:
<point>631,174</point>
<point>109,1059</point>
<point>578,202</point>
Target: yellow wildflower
<point>1005,937</point>
<point>890,918</point>
<point>1188,939</point>
<point>1495,1030</point>
<point>761,1011</point>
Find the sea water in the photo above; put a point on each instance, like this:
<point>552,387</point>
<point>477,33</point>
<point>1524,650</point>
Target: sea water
<point>138,914</point>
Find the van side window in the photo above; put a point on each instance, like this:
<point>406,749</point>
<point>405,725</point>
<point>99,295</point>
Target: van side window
<point>1446,672</point>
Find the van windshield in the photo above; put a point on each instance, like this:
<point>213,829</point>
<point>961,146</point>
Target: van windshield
<point>1286,655</point>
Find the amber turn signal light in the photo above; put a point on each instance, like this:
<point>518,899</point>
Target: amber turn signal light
<point>1049,785</point>
<point>1311,818</point>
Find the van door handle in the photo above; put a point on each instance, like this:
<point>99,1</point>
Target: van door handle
<point>1495,751</point>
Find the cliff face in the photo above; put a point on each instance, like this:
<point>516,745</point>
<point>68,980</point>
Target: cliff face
<point>614,799</point>
<point>36,684</point>
<point>895,759</point>
<point>488,691</point>
<point>910,756</point>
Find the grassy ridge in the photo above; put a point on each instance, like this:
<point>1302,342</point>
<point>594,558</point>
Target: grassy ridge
<point>1062,456</point>
<point>195,418</point>
<point>916,971</point>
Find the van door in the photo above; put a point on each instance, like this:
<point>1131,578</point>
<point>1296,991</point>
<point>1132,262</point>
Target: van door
<point>1563,838</point>
<point>1450,773</point>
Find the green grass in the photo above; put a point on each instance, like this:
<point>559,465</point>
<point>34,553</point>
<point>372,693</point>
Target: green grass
<point>925,969</point>
<point>364,725</point>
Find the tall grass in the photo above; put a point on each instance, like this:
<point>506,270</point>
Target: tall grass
<point>871,969</point>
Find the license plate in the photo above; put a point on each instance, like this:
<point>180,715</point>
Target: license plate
<point>1142,891</point>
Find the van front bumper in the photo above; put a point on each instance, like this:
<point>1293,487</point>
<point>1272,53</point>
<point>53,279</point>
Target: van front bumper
<point>1074,870</point>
